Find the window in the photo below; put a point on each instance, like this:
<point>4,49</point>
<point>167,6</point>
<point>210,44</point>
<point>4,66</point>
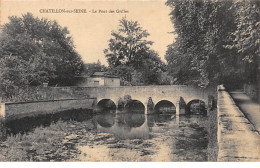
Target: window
<point>96,83</point>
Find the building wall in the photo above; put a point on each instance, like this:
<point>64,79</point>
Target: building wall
<point>91,81</point>
<point>102,81</point>
<point>112,82</point>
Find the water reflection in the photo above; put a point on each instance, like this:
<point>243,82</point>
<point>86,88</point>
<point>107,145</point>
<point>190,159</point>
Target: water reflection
<point>131,125</point>
<point>27,124</point>
<point>105,120</point>
<point>125,126</point>
<point>166,137</point>
<point>129,120</point>
<point>158,119</point>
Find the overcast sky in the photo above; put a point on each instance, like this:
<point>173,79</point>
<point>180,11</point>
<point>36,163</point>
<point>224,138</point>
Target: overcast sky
<point>91,31</point>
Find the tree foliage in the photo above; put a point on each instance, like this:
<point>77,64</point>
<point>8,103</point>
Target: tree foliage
<point>197,54</point>
<point>129,55</point>
<point>246,37</point>
<point>39,50</point>
<point>90,68</point>
<point>127,45</point>
<point>210,37</point>
<point>34,50</point>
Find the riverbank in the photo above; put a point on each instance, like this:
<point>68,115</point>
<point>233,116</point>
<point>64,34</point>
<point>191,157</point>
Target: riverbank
<point>52,143</point>
<point>2,129</point>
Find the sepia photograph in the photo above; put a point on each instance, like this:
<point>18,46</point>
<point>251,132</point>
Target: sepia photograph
<point>129,81</point>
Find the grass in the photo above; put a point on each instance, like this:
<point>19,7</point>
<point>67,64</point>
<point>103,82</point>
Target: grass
<point>37,143</point>
<point>32,142</point>
<point>2,129</point>
<point>213,140</point>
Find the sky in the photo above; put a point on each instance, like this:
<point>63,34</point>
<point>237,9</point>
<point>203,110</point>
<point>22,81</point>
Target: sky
<point>92,30</point>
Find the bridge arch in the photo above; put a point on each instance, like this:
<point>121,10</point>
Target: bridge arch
<point>135,106</point>
<point>106,105</point>
<point>196,106</point>
<point>165,106</point>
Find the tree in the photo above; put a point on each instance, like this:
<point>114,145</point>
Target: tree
<point>152,69</point>
<point>91,68</point>
<point>40,50</point>
<point>34,50</point>
<point>124,72</point>
<point>199,55</point>
<point>127,45</point>
<point>246,37</point>
<point>130,57</point>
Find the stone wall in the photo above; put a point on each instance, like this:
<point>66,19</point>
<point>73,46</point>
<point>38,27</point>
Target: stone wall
<point>115,82</point>
<point>57,93</point>
<point>171,93</point>
<point>18,110</point>
<point>237,138</point>
<point>51,93</point>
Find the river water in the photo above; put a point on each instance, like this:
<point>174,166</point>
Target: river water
<point>138,137</point>
<point>150,138</point>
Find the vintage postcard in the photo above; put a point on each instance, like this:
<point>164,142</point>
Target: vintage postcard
<point>129,81</point>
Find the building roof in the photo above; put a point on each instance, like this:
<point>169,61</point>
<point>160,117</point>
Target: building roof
<point>103,74</point>
<point>99,74</point>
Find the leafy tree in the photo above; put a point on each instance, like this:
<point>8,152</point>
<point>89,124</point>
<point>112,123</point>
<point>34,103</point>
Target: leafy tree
<point>129,55</point>
<point>127,45</point>
<point>199,55</point>
<point>37,50</point>
<point>91,68</point>
<point>246,37</point>
<point>124,72</point>
<point>152,69</point>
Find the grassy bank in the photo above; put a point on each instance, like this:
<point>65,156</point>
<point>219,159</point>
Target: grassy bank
<point>212,136</point>
<point>41,144</point>
<point>2,129</point>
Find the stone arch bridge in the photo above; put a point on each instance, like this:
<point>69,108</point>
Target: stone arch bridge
<point>157,93</point>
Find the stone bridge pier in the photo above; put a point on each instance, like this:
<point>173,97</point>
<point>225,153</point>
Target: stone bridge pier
<point>180,96</point>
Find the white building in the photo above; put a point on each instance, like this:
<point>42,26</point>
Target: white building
<point>99,79</point>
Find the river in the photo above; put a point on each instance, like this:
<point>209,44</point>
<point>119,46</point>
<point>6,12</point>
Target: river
<point>122,137</point>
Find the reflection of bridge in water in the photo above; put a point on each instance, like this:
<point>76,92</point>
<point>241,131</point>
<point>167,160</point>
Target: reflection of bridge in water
<point>131,125</point>
<point>177,98</point>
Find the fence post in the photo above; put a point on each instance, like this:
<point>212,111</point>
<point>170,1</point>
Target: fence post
<point>178,112</point>
<point>2,110</point>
